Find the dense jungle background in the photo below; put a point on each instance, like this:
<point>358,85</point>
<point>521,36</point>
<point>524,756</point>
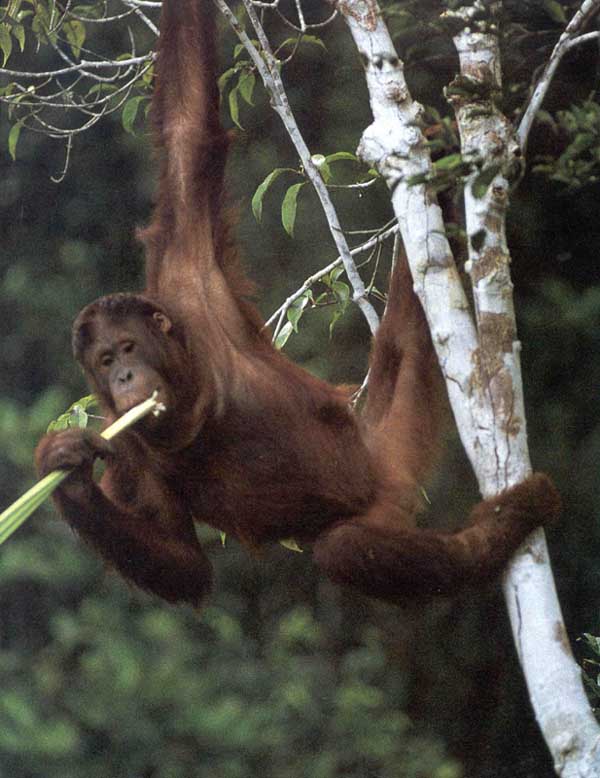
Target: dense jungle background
<point>283,674</point>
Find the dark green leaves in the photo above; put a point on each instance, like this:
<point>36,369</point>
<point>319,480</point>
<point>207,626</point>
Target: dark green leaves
<point>131,110</point>
<point>579,163</point>
<point>482,181</point>
<point>5,42</point>
<point>75,33</point>
<point>336,297</point>
<point>290,200</point>
<point>323,163</point>
<point>289,205</point>
<point>257,199</point>
<point>243,78</point>
<point>13,139</point>
<point>555,11</point>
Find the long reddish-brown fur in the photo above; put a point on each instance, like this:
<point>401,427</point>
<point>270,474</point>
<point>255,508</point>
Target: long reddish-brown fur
<point>254,445</point>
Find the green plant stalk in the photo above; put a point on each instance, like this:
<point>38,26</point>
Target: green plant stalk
<point>12,518</point>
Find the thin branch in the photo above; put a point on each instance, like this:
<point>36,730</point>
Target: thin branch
<point>359,185</point>
<point>148,22</point>
<point>144,3</point>
<point>61,176</point>
<point>567,40</point>
<point>80,66</point>
<point>311,280</point>
<point>309,25</point>
<point>268,67</point>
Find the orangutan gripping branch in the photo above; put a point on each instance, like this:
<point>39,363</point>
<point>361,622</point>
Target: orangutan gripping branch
<point>250,443</point>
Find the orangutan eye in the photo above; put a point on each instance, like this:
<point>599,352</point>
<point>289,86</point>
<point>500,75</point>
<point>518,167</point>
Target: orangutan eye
<point>106,360</point>
<point>128,347</point>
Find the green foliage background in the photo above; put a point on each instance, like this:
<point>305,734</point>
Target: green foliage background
<point>284,675</point>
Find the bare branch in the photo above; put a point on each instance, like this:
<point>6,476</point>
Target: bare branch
<point>144,3</point>
<point>81,66</point>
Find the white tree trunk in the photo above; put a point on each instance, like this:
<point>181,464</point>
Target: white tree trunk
<point>480,362</point>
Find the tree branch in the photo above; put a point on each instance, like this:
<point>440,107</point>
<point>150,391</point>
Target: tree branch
<point>484,383</point>
<point>395,144</point>
<point>81,66</point>
<point>566,42</point>
<point>313,279</point>
<point>268,68</point>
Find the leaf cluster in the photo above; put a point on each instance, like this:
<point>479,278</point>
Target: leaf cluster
<point>336,294</point>
<point>578,165</point>
<point>198,699</point>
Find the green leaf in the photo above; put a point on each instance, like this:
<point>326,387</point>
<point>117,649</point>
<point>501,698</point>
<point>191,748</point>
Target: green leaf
<point>291,544</point>
<point>325,172</point>
<point>448,163</point>
<point>130,112</point>
<point>13,139</point>
<point>483,180</point>
<point>337,314</point>
<point>313,40</point>
<point>240,47</point>
<point>296,310</point>
<point>289,206</point>
<point>234,107</point>
<point>5,42</point>
<point>544,117</point>
<point>12,8</point>
<point>19,32</point>
<point>555,11</point>
<point>341,155</point>
<point>75,32</point>
<point>257,199</point>
<point>283,335</point>
<point>90,11</point>
<point>76,415</point>
<point>40,24</point>
<point>246,86</point>
<point>341,291</point>
<point>224,78</point>
<point>336,273</point>
<point>148,76</point>
<point>101,89</point>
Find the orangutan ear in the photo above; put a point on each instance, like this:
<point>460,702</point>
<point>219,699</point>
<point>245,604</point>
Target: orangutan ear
<point>163,321</point>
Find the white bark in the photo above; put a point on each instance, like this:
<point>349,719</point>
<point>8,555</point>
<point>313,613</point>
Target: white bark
<point>481,365</point>
<point>395,144</point>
